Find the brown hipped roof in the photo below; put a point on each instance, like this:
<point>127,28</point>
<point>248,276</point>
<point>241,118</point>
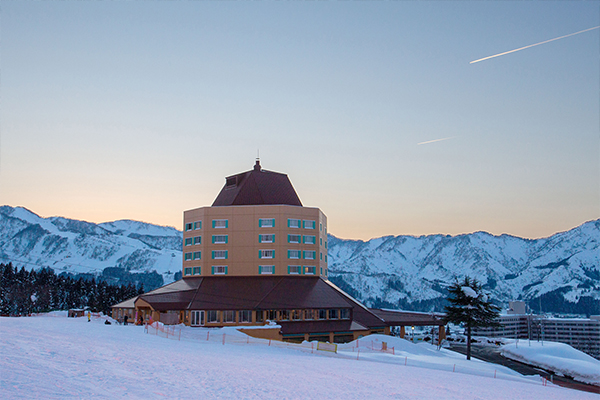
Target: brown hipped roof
<point>263,293</point>
<point>257,187</point>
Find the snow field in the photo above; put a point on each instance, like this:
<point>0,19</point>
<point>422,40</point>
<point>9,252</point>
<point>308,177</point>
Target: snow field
<point>557,357</point>
<point>56,357</point>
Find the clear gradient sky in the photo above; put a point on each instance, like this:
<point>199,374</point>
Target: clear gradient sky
<point>138,110</point>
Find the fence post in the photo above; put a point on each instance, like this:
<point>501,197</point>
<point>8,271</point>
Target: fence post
<point>405,360</point>
<point>494,374</point>
<point>358,354</point>
<point>207,335</point>
<point>269,342</point>
<point>454,368</point>
<point>223,339</point>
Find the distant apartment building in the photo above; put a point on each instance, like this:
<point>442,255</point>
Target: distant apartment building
<point>580,333</point>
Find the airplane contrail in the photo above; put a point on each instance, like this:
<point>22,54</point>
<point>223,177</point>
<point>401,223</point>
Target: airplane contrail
<point>436,140</point>
<point>535,44</point>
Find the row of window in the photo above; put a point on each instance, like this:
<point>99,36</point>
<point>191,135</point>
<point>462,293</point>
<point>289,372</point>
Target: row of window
<point>262,254</point>
<point>262,270</point>
<point>262,223</point>
<point>262,238</point>
<point>245,316</point>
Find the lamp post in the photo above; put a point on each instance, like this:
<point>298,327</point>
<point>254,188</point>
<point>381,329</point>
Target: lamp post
<point>413,334</point>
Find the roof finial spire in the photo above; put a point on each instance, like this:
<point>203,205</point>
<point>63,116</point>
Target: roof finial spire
<point>257,165</point>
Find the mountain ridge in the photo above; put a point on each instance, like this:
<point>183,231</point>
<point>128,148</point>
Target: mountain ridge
<point>403,271</point>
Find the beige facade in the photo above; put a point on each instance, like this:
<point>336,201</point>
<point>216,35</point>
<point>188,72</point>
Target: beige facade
<point>255,240</point>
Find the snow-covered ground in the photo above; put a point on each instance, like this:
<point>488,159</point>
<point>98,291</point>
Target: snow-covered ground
<point>558,357</point>
<point>50,357</point>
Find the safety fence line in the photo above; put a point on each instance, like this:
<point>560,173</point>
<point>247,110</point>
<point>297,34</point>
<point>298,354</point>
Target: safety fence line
<point>360,350</point>
<point>162,330</point>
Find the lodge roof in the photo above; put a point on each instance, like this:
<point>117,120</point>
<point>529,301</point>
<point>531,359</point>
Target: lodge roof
<point>257,187</point>
<point>265,293</point>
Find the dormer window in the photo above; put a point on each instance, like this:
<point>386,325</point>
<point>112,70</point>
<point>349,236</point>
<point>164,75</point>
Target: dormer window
<point>231,182</point>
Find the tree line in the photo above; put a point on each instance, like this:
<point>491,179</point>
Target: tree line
<point>23,292</point>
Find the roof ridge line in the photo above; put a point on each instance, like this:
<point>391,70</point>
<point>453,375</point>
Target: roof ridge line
<point>269,292</point>
<point>195,294</point>
<point>350,298</point>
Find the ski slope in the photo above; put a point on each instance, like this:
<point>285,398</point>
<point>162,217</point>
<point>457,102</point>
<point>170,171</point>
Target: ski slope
<point>51,357</point>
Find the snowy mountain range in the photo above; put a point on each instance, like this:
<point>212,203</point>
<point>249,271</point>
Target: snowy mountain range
<point>561,272</point>
<point>80,247</point>
<point>394,271</point>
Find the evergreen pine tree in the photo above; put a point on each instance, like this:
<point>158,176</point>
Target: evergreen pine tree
<point>470,307</point>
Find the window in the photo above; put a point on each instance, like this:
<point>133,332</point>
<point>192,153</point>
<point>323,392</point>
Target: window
<point>285,315</point>
<point>219,270</point>
<point>309,224</point>
<point>320,241</point>
<point>220,223</point>
<point>198,240</point>
<point>309,314</point>
<point>212,316</point>
<point>344,313</point>
<point>310,270</point>
<point>321,255</point>
<point>322,314</point>
<point>294,270</point>
<point>266,222</point>
<point>219,239</point>
<point>266,253</point>
<point>197,318</point>
<point>219,254</point>
<point>230,182</point>
<point>309,254</point>
<point>197,271</point>
<point>228,316</point>
<point>259,316</point>
<point>266,269</point>
<point>188,241</point>
<point>294,238</point>
<point>187,271</point>
<point>296,314</point>
<point>271,315</point>
<point>197,225</point>
<point>293,223</point>
<point>269,238</point>
<point>309,239</point>
<point>245,316</point>
<point>197,255</point>
<point>326,244</point>
<point>333,314</point>
<point>320,226</point>
<point>187,256</point>
<point>294,254</point>
<point>189,226</point>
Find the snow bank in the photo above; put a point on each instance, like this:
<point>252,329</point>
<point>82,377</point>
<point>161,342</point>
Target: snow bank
<point>57,358</point>
<point>557,357</point>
